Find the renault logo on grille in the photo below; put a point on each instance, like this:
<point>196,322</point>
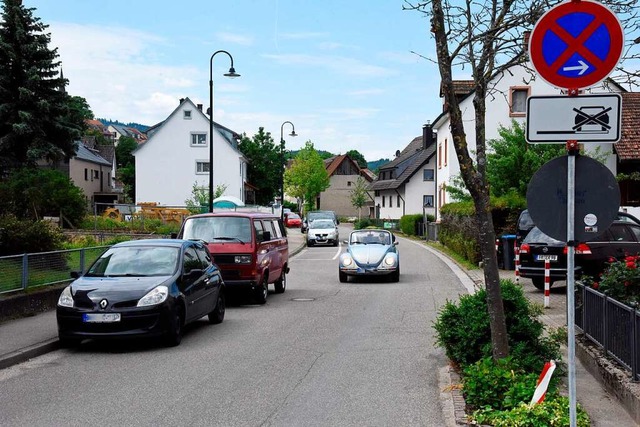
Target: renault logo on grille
<point>103,303</point>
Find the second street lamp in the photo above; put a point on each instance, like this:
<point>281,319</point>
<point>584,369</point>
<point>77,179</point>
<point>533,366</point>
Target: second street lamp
<point>232,73</point>
<point>293,133</point>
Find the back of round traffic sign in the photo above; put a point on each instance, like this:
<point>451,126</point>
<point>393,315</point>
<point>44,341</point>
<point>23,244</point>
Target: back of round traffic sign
<point>576,44</point>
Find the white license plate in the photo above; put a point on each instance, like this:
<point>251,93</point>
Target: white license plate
<point>546,257</point>
<point>100,317</point>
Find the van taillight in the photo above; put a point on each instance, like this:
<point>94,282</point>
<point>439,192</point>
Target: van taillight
<point>581,249</point>
<point>524,248</point>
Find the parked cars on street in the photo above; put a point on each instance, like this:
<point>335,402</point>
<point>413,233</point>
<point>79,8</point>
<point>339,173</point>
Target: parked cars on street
<point>323,232</point>
<point>292,219</point>
<point>621,239</point>
<point>251,249</point>
<point>142,288</point>
<point>370,252</point>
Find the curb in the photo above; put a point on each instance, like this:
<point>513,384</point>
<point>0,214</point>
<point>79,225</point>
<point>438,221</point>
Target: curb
<point>24,354</point>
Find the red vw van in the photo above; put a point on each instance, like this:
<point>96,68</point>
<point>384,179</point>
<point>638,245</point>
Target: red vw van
<point>250,248</point>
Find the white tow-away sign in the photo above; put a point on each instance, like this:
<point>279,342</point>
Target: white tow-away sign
<point>584,118</point>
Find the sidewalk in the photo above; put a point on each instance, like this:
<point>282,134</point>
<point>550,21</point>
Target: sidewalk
<point>23,339</point>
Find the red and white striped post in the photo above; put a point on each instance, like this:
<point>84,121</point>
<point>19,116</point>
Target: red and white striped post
<point>516,251</point>
<point>543,382</point>
<point>547,282</point>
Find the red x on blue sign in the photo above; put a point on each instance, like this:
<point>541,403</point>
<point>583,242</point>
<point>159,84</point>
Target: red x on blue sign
<point>576,44</point>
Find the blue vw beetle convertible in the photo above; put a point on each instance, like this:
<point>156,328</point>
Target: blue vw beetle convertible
<point>370,252</point>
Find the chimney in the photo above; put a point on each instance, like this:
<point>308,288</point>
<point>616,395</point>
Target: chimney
<point>428,136</point>
<point>181,101</point>
<point>199,107</point>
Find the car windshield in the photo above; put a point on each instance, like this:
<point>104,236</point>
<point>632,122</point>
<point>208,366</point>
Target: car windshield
<point>320,215</point>
<point>136,261</point>
<point>322,224</point>
<point>218,227</point>
<point>537,236</point>
<point>370,237</point>
<point>293,216</point>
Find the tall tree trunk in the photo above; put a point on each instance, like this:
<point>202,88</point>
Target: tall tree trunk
<point>474,179</point>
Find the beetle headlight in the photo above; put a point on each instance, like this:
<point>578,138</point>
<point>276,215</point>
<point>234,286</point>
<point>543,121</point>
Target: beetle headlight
<point>389,260</point>
<point>155,296</point>
<point>242,259</point>
<point>347,261</point>
<point>66,299</point>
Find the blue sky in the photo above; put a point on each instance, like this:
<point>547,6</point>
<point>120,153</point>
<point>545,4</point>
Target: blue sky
<point>341,71</point>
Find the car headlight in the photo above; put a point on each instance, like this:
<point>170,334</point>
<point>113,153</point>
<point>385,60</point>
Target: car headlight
<point>155,296</point>
<point>347,261</point>
<point>242,259</point>
<point>389,260</point>
<point>66,299</point>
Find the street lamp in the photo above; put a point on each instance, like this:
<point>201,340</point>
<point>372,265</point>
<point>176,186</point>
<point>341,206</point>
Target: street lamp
<point>232,73</point>
<point>293,133</point>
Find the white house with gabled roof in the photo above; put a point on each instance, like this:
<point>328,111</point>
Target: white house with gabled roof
<point>176,156</point>
<point>506,101</point>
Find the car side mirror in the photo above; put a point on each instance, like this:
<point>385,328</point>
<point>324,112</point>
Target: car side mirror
<point>266,235</point>
<point>346,242</point>
<point>174,235</point>
<point>395,243</point>
<point>75,274</point>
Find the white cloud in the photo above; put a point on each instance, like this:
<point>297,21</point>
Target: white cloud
<point>238,39</point>
<point>343,65</point>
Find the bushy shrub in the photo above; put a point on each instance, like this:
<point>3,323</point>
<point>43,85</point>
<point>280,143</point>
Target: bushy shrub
<point>27,236</point>
<point>501,384</point>
<point>408,223</point>
<point>552,412</point>
<point>362,223</point>
<point>463,330</point>
<point>620,280</point>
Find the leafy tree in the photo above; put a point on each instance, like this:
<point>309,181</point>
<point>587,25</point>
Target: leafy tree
<point>200,196</point>
<point>32,193</point>
<point>359,195</point>
<point>486,38</point>
<point>307,177</point>
<point>265,165</point>
<point>512,161</point>
<point>37,120</point>
<point>357,157</point>
<point>126,163</point>
<point>79,109</point>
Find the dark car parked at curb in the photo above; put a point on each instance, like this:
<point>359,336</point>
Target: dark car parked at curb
<point>621,239</point>
<point>142,288</point>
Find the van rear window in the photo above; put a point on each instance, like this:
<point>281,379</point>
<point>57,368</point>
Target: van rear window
<point>217,227</point>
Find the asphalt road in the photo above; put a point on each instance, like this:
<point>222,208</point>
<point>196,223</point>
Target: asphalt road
<point>324,353</point>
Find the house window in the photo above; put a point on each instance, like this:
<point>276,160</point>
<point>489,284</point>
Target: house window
<point>427,200</point>
<point>348,183</point>
<point>198,139</point>
<point>398,201</point>
<point>446,151</point>
<point>383,199</point>
<point>86,174</point>
<point>187,114</point>
<point>376,193</point>
<point>427,174</point>
<point>202,167</point>
<point>518,101</point>
<point>95,174</point>
<point>440,155</point>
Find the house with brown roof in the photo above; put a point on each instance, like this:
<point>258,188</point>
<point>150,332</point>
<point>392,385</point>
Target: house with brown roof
<point>407,184</point>
<point>343,174</point>
<point>627,150</point>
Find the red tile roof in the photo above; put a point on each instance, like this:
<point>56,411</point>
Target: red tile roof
<point>629,146</point>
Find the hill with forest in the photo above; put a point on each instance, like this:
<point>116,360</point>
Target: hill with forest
<point>140,127</point>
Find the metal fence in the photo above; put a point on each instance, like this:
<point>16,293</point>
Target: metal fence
<point>611,325</point>
<point>32,270</point>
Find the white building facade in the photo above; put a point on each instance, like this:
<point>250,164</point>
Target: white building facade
<point>176,157</point>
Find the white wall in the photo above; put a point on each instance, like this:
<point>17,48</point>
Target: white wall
<point>166,163</point>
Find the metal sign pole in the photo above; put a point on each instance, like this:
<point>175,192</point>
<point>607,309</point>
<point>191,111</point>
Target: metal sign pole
<point>571,248</point>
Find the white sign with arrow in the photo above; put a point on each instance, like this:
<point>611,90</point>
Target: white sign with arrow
<point>585,118</point>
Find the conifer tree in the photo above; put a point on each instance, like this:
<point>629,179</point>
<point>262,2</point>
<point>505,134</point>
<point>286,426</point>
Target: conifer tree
<point>35,118</point>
